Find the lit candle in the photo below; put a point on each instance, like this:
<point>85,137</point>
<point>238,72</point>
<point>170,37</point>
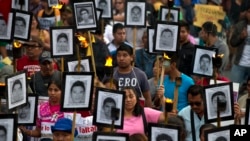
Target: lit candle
<point>168,105</point>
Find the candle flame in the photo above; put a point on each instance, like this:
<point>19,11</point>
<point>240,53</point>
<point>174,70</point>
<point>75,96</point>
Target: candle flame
<point>83,41</point>
<point>168,100</point>
<point>17,44</point>
<point>220,55</point>
<point>108,62</point>
<point>2,84</point>
<point>165,56</point>
<point>58,6</point>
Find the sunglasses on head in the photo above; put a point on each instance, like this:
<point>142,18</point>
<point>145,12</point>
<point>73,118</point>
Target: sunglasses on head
<point>194,103</point>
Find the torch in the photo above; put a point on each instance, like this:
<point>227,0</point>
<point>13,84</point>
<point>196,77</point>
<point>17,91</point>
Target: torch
<point>217,62</point>
<point>221,106</point>
<point>168,108</point>
<point>109,69</point>
<point>115,115</point>
<point>178,82</point>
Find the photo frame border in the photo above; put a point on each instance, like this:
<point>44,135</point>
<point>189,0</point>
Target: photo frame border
<point>212,131</point>
<point>51,5</point>
<point>247,112</point>
<point>52,38</point>
<point>65,94</point>
<point>127,15</point>
<point>33,123</point>
<point>30,14</point>
<point>82,59</point>
<point>150,49</point>
<point>167,8</point>
<point>206,104</point>
<point>92,2</point>
<point>25,6</point>
<point>10,108</point>
<point>96,134</point>
<point>14,117</point>
<point>208,49</point>
<point>110,10</point>
<point>157,40</point>
<point>11,28</point>
<point>97,95</point>
<point>168,126</point>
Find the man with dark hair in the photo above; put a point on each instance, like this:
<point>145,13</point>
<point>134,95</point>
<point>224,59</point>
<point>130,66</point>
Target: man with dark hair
<point>185,49</point>
<point>127,75</point>
<point>166,39</point>
<point>17,91</point>
<point>163,137</point>
<point>204,65</point>
<point>3,133</point>
<point>196,108</point>
<point>220,97</point>
<point>24,112</point>
<point>108,104</point>
<point>136,14</point>
<point>20,26</point>
<point>208,34</point>
<point>119,34</point>
<point>102,4</point>
<point>220,138</point>
<point>84,17</point>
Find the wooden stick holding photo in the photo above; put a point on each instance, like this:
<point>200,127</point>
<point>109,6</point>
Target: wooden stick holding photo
<point>91,51</point>
<point>134,40</point>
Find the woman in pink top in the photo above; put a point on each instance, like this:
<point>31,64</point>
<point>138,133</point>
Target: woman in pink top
<point>48,113</point>
<point>133,114</point>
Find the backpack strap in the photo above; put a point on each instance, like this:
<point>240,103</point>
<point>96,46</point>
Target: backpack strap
<point>145,123</point>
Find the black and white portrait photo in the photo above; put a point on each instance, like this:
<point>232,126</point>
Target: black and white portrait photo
<point>77,90</point>
<point>105,136</point>
<point>20,5</point>
<point>166,37</point>
<point>84,66</point>
<point>219,97</point>
<point>27,112</point>
<point>218,134</point>
<point>22,24</point>
<point>159,132</point>
<point>85,15</point>
<point>106,7</point>
<point>135,14</point>
<point>53,2</point>
<point>8,127</point>
<point>151,33</point>
<point>203,64</point>
<point>6,27</point>
<point>62,41</point>
<point>171,16</point>
<point>109,105</point>
<point>17,90</point>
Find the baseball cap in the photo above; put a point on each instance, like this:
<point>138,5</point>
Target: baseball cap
<point>63,124</point>
<point>45,56</point>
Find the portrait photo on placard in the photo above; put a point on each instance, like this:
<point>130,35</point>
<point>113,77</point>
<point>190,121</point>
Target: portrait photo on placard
<point>84,66</point>
<point>20,5</point>
<point>247,113</point>
<point>27,113</point>
<point>160,132</point>
<point>17,90</point>
<point>105,136</point>
<point>135,14</point>
<point>151,34</point>
<point>109,105</point>
<point>78,87</point>
<point>85,15</point>
<point>218,134</point>
<point>6,28</point>
<point>203,63</point>
<point>219,97</point>
<point>171,16</point>
<point>62,41</point>
<point>166,37</point>
<point>8,127</point>
<point>106,7</point>
<point>53,2</point>
<point>22,25</point>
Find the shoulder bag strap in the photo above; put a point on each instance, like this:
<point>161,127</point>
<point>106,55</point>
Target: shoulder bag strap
<point>145,123</point>
<point>192,124</point>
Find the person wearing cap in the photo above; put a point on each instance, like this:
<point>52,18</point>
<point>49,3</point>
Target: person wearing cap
<point>62,130</point>
<point>39,81</point>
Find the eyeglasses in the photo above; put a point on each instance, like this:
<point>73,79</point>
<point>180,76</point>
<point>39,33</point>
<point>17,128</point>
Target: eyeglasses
<point>195,103</point>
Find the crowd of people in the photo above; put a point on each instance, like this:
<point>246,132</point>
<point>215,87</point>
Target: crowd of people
<point>147,79</point>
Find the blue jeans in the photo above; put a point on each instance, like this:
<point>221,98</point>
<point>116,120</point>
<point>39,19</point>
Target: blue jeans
<point>239,74</point>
